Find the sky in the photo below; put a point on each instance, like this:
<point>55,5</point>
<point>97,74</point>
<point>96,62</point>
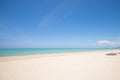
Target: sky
<point>59,23</point>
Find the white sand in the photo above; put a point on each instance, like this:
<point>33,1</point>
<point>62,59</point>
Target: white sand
<point>74,66</point>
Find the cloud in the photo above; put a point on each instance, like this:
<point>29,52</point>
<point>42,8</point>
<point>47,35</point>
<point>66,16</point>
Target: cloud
<point>60,12</point>
<point>104,42</point>
<point>109,43</point>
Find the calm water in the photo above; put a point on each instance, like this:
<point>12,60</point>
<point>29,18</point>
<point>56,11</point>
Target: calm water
<point>31,51</point>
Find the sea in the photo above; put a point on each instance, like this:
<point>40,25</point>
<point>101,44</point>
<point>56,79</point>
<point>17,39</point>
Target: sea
<point>34,51</point>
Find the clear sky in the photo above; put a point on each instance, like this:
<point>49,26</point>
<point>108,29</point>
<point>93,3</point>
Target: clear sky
<point>59,23</point>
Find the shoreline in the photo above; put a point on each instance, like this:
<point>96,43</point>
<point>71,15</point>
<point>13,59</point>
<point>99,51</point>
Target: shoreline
<point>32,56</point>
<point>95,65</point>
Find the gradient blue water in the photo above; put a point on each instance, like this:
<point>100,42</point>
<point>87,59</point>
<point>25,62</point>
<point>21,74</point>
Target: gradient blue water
<point>32,51</point>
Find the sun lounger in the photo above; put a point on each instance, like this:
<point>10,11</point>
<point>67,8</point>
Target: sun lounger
<point>111,54</point>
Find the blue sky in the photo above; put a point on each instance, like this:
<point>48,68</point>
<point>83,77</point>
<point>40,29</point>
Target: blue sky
<point>59,23</point>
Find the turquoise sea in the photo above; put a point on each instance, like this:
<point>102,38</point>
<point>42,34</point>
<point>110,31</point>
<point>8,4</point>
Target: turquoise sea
<point>33,51</point>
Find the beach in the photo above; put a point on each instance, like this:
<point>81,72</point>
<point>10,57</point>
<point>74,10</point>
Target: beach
<point>91,65</point>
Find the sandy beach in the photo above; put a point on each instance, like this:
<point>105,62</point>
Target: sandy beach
<point>94,65</point>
